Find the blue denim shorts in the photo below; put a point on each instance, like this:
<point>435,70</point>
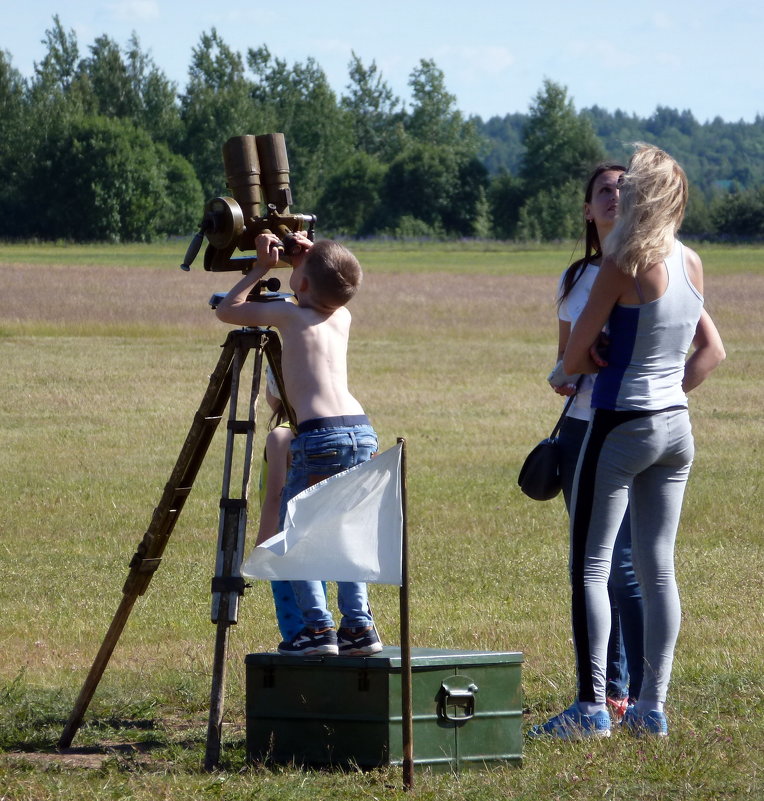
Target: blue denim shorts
<point>321,452</point>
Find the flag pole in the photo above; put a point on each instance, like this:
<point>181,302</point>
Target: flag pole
<point>406,694</point>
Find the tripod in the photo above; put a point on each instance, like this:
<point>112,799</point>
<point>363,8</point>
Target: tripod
<point>227,584</point>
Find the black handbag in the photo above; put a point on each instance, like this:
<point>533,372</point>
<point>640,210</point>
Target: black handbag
<point>539,476</point>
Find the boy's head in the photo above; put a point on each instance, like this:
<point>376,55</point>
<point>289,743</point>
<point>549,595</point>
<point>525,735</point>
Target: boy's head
<point>333,272</point>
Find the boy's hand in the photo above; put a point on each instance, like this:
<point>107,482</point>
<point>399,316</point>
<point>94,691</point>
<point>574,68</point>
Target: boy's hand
<point>301,247</point>
<point>268,246</point>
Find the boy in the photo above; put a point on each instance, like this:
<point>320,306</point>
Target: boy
<point>333,433</point>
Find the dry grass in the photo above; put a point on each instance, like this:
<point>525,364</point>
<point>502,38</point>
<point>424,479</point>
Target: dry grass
<point>104,368</point>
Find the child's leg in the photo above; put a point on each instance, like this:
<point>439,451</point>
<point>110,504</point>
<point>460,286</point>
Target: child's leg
<point>311,600</point>
<point>353,602</point>
<point>288,613</point>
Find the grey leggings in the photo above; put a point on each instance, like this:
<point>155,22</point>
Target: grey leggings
<point>644,458</point>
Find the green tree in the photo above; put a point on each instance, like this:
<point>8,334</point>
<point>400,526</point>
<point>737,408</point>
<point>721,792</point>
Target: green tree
<point>559,144</point>
<point>740,215</point>
<point>106,180</point>
<point>106,76</point>
<point>437,182</point>
<point>128,85</point>
<point>697,219</point>
<point>434,118</point>
<point>440,187</point>
<point>56,94</point>
<point>375,112</point>
<point>14,150</point>
<point>505,198</point>
<point>58,69</point>
<point>418,185</point>
<point>350,203</point>
<point>560,150</point>
<point>302,105</point>
<point>552,214</point>
<point>217,104</point>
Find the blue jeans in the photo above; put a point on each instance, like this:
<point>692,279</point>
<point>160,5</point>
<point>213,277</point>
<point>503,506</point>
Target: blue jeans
<point>323,448</point>
<point>288,614</point>
<point>625,665</point>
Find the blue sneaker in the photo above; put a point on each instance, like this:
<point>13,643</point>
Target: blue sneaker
<point>358,642</point>
<point>311,643</point>
<point>651,724</point>
<point>572,724</point>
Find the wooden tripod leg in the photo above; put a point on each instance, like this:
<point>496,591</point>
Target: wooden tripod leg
<point>96,671</point>
<point>149,553</point>
<point>217,697</point>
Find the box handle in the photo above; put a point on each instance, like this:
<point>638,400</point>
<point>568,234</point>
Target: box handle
<point>457,693</point>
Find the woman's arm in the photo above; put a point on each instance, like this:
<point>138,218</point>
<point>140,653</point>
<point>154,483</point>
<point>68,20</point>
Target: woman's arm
<point>707,355</point>
<point>607,289</point>
<point>562,384</point>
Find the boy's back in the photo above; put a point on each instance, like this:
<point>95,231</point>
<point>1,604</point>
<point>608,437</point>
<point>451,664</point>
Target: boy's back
<point>314,336</point>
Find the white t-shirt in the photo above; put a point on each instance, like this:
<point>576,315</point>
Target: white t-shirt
<point>570,310</point>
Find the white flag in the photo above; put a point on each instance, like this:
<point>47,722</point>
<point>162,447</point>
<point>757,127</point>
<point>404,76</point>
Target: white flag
<point>346,528</point>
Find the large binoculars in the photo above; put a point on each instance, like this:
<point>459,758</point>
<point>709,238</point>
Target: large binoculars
<point>257,174</point>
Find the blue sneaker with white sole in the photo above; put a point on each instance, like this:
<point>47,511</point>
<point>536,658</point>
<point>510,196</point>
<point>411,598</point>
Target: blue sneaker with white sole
<point>648,724</point>
<point>573,724</point>
<point>311,643</point>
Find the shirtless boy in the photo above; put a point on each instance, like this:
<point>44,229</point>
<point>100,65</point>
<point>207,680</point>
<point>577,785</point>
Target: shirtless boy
<point>333,433</point>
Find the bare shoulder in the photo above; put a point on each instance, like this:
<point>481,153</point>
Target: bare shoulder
<point>611,278</point>
<point>694,267</point>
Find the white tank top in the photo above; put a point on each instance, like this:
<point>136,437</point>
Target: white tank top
<point>648,346</point>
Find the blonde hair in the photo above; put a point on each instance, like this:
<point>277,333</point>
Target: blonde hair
<point>653,197</point>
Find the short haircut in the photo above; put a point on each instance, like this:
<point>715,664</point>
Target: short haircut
<point>334,273</point>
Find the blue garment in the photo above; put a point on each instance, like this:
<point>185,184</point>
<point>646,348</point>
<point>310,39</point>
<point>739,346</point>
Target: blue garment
<point>323,448</point>
<point>648,346</point>
<point>624,653</point>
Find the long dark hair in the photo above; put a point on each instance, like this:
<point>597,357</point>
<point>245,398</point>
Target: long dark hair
<point>592,244</point>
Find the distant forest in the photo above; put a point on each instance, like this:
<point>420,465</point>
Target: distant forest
<point>98,145</point>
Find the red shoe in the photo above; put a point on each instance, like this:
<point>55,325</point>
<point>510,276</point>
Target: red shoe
<point>618,707</point>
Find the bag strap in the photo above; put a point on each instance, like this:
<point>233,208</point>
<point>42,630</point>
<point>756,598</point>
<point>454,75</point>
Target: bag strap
<point>565,409</point>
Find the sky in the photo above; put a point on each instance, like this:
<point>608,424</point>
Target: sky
<point>495,55</point>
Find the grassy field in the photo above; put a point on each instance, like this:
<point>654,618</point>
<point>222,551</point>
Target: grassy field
<point>106,353</point>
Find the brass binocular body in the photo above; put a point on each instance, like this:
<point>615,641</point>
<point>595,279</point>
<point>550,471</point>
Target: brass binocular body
<point>257,174</point>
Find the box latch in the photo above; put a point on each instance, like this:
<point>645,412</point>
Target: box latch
<point>456,699</point>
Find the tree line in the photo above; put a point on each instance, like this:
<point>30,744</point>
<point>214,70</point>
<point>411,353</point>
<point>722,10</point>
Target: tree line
<point>101,146</point>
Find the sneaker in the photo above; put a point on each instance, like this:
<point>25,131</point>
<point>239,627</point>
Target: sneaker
<point>311,643</point>
<point>358,642</point>
<point>652,724</point>
<point>572,724</point>
<point>617,707</point>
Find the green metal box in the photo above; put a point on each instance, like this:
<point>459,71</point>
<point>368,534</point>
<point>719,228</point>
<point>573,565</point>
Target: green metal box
<point>346,711</point>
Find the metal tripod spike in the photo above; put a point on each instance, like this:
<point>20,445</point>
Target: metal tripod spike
<point>227,585</point>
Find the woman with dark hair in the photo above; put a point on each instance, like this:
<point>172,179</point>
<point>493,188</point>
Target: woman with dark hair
<point>624,664</point>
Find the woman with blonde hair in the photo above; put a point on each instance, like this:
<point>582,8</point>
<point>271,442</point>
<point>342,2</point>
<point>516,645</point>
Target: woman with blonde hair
<point>638,450</point>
